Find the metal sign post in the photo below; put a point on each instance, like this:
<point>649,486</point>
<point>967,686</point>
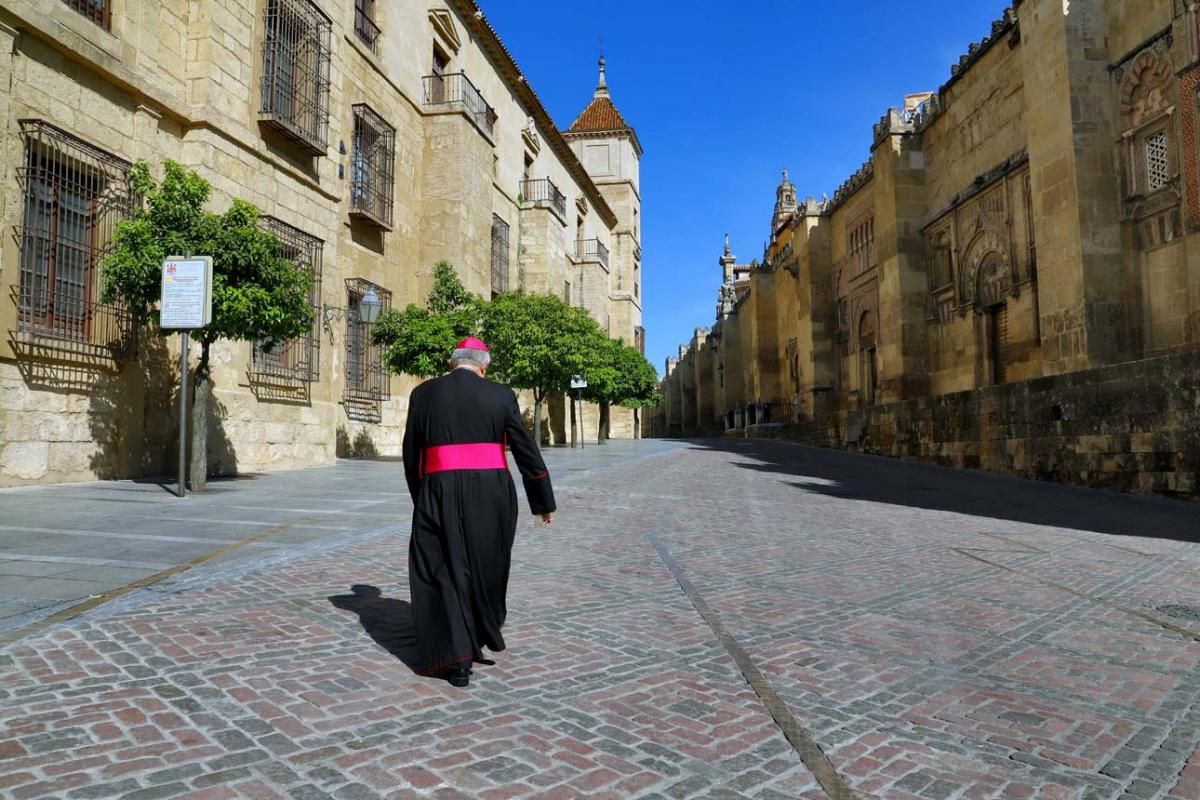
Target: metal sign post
<point>186,305</point>
<point>579,384</point>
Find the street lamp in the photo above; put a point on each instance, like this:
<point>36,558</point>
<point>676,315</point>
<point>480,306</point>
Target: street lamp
<point>369,307</point>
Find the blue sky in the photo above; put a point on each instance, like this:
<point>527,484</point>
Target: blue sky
<point>725,95</point>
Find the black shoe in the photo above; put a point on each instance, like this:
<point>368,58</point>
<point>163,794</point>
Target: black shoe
<point>458,675</point>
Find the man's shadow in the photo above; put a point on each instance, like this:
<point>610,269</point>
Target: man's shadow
<point>386,620</point>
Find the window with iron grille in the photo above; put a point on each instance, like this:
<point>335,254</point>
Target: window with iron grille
<point>98,11</point>
<point>1158,172</point>
<point>295,83</point>
<point>371,168</point>
<point>74,195</point>
<point>298,358</point>
<point>367,378</point>
<point>499,255</point>
<point>365,26</point>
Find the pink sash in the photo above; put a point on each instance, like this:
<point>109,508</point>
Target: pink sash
<point>483,455</point>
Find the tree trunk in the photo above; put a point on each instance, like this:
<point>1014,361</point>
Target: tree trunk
<point>537,420</point>
<point>574,431</point>
<point>602,433</point>
<point>637,423</point>
<point>201,394</point>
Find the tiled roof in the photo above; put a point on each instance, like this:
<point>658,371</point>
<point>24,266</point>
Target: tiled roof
<point>600,115</point>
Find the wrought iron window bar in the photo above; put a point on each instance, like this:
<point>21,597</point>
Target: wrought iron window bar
<point>499,255</point>
<point>295,83</point>
<point>457,89</point>
<point>367,378</point>
<point>542,191</point>
<point>74,196</point>
<point>364,23</point>
<point>98,11</point>
<point>372,167</point>
<point>591,250</point>
<point>299,358</point>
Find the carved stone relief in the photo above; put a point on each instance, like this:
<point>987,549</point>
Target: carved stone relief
<point>1145,88</point>
<point>989,249</point>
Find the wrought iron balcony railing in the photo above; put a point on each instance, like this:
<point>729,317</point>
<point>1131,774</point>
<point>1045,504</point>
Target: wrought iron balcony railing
<point>457,89</point>
<point>372,179</point>
<point>295,80</point>
<point>591,250</point>
<point>365,27</point>
<point>542,191</point>
<point>67,322</point>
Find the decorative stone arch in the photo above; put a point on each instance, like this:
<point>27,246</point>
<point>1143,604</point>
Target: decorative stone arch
<point>862,319</point>
<point>993,281</point>
<point>868,328</point>
<point>989,248</point>
<point>1145,87</point>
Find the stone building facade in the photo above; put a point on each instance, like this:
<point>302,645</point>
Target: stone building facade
<point>376,139</point>
<point>1030,228</point>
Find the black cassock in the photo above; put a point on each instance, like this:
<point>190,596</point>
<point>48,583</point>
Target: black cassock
<point>464,520</point>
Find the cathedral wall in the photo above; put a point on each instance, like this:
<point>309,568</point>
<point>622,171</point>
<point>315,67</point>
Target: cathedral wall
<point>982,124</point>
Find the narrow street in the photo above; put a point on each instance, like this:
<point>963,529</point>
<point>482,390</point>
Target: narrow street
<point>705,619</point>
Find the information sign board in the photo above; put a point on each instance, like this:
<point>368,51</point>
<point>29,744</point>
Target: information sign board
<point>186,293</point>
<point>578,383</point>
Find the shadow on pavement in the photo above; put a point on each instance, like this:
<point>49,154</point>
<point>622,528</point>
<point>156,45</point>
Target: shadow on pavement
<point>878,479</point>
<point>386,620</point>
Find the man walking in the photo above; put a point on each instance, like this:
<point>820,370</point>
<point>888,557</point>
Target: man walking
<point>465,509</point>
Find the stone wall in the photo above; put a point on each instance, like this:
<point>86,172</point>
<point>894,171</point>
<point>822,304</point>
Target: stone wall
<point>1132,427</point>
<point>181,81</point>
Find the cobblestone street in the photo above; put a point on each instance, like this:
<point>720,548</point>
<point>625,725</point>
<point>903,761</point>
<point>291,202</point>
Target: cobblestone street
<point>710,619</point>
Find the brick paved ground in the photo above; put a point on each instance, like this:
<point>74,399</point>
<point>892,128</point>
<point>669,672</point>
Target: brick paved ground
<point>937,634</point>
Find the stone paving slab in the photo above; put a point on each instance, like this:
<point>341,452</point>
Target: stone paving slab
<point>936,634</point>
<point>87,533</point>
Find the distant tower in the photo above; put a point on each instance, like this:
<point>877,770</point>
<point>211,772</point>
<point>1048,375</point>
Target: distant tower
<point>727,260</point>
<point>610,152</point>
<point>785,203</point>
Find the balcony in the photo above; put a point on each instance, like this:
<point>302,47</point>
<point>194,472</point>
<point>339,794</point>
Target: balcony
<point>296,78</point>
<point>372,179</point>
<point>591,250</point>
<point>456,90</point>
<point>364,27</point>
<point>543,193</point>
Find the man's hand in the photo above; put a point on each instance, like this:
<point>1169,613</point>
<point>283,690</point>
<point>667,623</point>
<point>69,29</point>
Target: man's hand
<point>547,518</point>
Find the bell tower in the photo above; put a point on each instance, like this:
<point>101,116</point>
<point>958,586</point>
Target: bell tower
<point>785,203</point>
<point>608,148</point>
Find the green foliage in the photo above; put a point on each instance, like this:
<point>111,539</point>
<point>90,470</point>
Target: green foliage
<point>620,375</point>
<point>419,341</point>
<point>539,342</point>
<point>639,380</point>
<point>258,294</point>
